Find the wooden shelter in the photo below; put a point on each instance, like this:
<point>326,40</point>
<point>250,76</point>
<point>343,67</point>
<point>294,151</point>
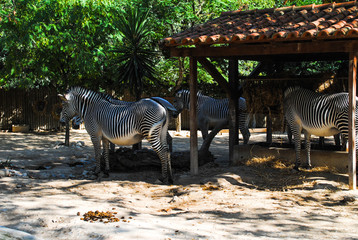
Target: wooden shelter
<point>305,33</point>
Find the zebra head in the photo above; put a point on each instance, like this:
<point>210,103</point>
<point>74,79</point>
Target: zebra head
<point>181,100</point>
<point>68,108</point>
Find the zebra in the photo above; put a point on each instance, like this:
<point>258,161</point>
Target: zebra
<point>213,111</point>
<point>315,114</point>
<point>77,120</point>
<point>126,123</point>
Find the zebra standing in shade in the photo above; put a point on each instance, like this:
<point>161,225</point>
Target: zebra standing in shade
<point>122,124</point>
<point>315,114</point>
<point>213,111</point>
<point>173,113</point>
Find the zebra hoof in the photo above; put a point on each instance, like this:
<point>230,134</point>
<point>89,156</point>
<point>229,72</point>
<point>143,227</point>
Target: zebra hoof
<point>295,169</point>
<point>308,167</point>
<point>170,181</point>
<point>101,175</point>
<point>158,181</point>
<point>161,181</point>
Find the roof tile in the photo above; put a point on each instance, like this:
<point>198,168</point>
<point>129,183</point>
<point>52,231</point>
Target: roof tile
<point>325,21</point>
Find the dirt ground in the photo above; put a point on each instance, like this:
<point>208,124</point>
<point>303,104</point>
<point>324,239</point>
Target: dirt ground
<point>47,188</point>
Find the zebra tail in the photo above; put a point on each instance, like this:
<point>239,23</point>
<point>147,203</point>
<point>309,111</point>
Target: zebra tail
<point>161,122</point>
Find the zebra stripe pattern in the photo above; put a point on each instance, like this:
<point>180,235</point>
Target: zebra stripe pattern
<point>213,111</point>
<point>122,123</point>
<point>315,114</point>
<point>77,120</point>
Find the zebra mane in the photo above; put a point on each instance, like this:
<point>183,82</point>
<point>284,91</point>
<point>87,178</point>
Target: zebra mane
<point>290,90</point>
<point>80,91</point>
<point>187,92</point>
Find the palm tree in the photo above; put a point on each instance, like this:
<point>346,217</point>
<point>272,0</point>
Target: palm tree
<point>135,56</point>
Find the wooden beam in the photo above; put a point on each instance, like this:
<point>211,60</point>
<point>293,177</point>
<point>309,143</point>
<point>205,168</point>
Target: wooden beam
<point>257,70</point>
<point>233,107</point>
<point>351,120</point>
<point>193,82</point>
<point>211,69</point>
<point>264,49</point>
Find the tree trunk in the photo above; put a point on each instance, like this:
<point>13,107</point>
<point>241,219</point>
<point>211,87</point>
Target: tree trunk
<point>67,136</point>
<point>178,123</point>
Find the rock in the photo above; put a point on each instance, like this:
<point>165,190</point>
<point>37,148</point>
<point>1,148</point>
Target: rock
<point>174,199</point>
<point>12,234</point>
<point>321,184</point>
<point>349,199</point>
<point>4,173</point>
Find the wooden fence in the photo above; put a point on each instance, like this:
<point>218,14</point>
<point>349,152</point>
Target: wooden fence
<point>38,108</point>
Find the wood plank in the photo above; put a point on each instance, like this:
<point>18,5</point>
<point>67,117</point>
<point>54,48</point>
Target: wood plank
<point>193,82</point>
<point>281,48</point>
<point>351,121</point>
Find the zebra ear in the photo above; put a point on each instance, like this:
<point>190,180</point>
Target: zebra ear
<point>178,94</point>
<point>63,98</point>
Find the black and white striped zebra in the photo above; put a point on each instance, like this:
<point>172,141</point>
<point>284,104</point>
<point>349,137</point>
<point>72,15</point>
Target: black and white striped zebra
<point>122,124</point>
<point>315,114</point>
<point>213,111</point>
<point>77,120</point>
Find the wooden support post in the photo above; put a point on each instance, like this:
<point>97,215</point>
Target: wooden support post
<point>268,129</point>
<point>351,121</point>
<point>178,123</point>
<point>233,108</point>
<point>193,116</point>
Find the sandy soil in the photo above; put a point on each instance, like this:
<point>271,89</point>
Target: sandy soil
<point>47,189</point>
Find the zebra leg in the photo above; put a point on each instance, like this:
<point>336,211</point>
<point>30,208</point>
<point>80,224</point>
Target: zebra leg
<point>207,141</point>
<point>106,156</point>
<point>170,142</point>
<point>203,125</point>
<point>244,127</point>
<point>96,141</point>
<point>164,156</point>
<point>245,133</point>
<point>170,173</point>
<point>297,137</point>
<point>308,149</point>
<point>158,142</point>
<point>337,139</point>
<point>289,134</point>
<point>112,146</point>
<point>344,142</point>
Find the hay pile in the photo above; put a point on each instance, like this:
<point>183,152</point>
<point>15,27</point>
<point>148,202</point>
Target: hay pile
<point>269,162</point>
<point>266,98</point>
<point>276,174</point>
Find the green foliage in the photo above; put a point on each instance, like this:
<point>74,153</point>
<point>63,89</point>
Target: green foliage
<point>260,4</point>
<point>56,42</point>
<point>71,42</point>
<point>135,58</point>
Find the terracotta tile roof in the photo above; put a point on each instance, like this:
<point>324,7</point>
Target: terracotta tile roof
<point>325,21</point>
